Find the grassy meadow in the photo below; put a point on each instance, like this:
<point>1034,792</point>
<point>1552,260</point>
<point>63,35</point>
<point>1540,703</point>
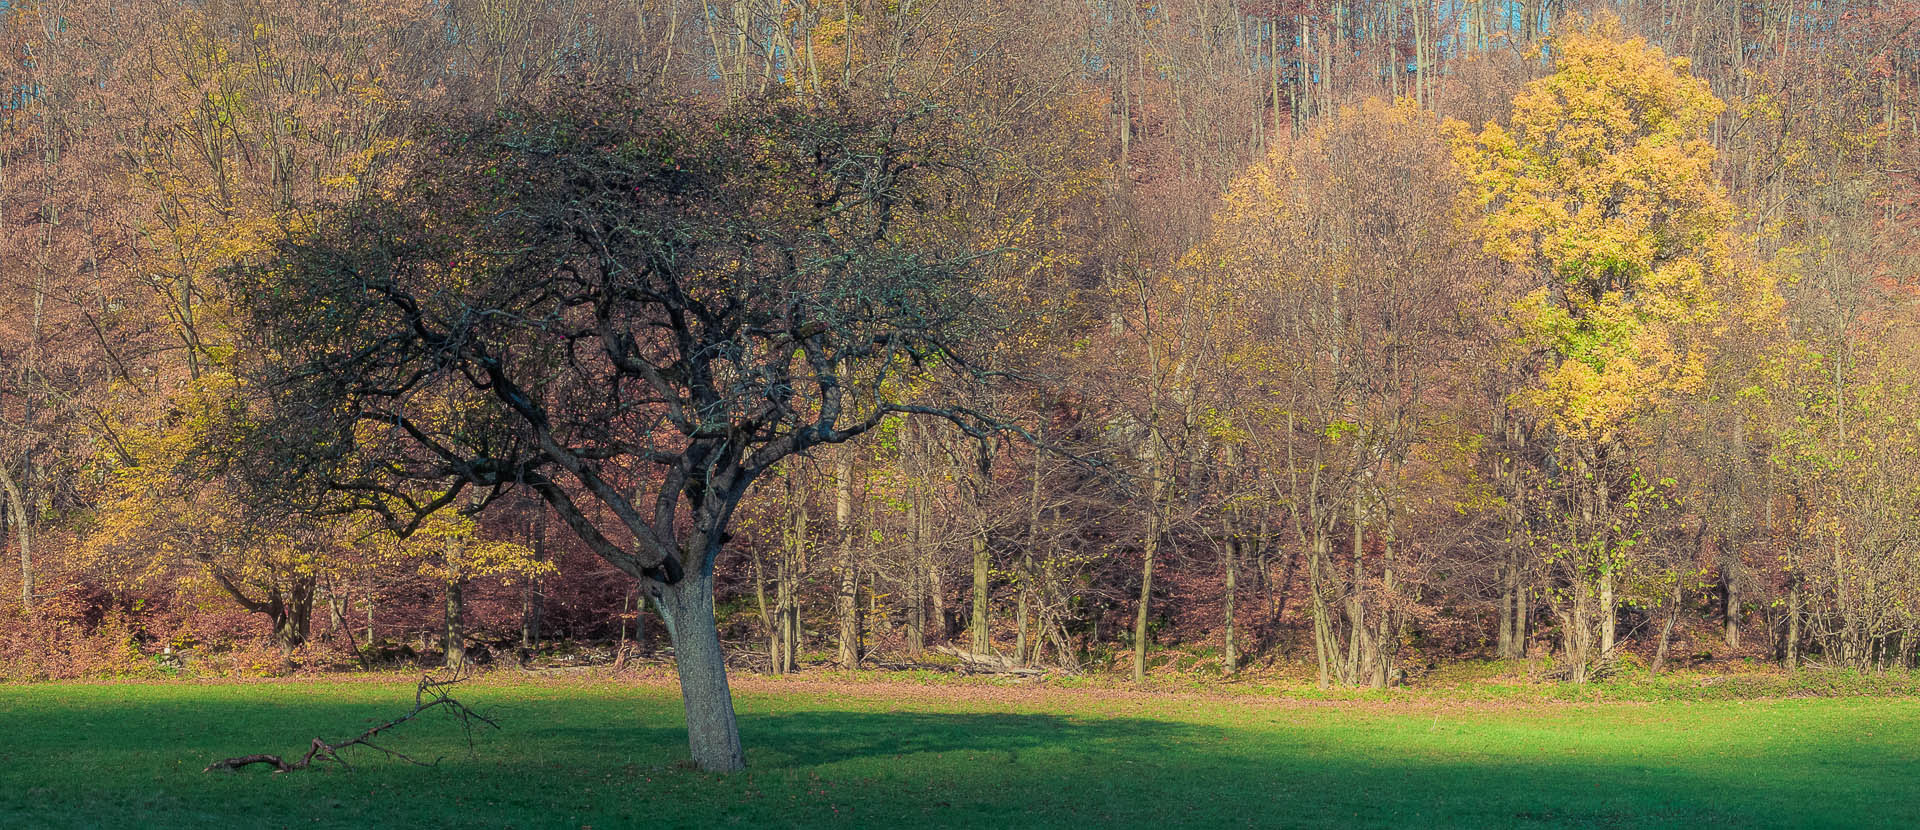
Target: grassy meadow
<point>604,753</point>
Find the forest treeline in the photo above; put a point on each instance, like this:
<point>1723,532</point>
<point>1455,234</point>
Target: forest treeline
<point>1352,337</point>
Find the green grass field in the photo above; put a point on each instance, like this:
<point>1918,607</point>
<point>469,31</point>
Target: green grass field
<point>604,754</point>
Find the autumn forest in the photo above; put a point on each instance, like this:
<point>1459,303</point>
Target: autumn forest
<point>1332,341</point>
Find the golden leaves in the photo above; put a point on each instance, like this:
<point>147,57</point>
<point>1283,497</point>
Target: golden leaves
<point>1606,169</point>
<point>451,547</point>
<point>1604,189</point>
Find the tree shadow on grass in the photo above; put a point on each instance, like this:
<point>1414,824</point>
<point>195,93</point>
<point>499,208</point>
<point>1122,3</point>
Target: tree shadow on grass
<point>1008,769</point>
<point>821,738</point>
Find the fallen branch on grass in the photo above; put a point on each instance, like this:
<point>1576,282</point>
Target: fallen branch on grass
<point>432,693</point>
<point>976,663</point>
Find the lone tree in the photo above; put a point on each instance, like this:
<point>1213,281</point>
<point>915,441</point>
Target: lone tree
<point>634,305</point>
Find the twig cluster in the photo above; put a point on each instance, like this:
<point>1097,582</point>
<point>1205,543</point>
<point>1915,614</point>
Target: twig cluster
<point>431,693</point>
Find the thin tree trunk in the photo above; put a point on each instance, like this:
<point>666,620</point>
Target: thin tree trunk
<point>1146,595</point>
<point>1028,575</point>
<point>1151,547</point>
<point>1020,628</point>
<point>981,623</point>
<point>1509,585</point>
<point>337,615</point>
<point>455,638</point>
<point>1361,650</point>
<point>774,641</point>
<point>788,607</point>
<point>1324,644</point>
<point>921,587</point>
<point>23,542</point>
<point>849,598</point>
<point>1230,655</point>
<point>1522,613</point>
<point>1609,619</point>
<point>1793,622</point>
<point>1730,602</point>
<point>531,608</point>
<point>982,572</point>
<point>938,626</point>
<point>1388,631</point>
<point>19,510</point>
<point>916,643</point>
<point>529,618</point>
<point>792,563</point>
<point>1666,631</point>
<point>629,604</point>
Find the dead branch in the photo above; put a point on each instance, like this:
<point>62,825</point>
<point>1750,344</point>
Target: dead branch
<point>977,663</point>
<point>431,693</point>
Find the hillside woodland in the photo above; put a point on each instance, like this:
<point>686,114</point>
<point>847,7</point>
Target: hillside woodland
<point>1334,339</point>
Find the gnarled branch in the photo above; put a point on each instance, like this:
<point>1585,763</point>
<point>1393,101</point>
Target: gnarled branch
<point>431,693</point>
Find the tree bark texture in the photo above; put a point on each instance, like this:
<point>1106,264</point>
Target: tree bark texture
<point>713,733</point>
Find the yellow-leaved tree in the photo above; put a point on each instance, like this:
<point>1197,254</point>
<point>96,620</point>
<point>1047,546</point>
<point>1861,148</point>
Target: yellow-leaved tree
<point>1602,191</point>
<point>450,549</point>
<point>169,508</point>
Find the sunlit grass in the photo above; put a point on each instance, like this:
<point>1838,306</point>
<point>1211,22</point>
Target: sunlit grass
<point>605,754</point>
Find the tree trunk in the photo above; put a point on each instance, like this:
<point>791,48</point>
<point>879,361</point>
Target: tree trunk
<point>1793,622</point>
<point>916,613</point>
<point>531,605</point>
<point>920,587</point>
<point>18,510</point>
<point>1362,653</point>
<point>1666,631</point>
<point>1390,625</point>
<point>292,614</point>
<point>787,590</point>
<point>713,734</point>
<point>1325,646</point>
<point>938,624</point>
<point>1576,640</point>
<point>23,536</point>
<point>981,623</point>
<point>1020,626</point>
<point>849,598</point>
<point>1509,601</point>
<point>782,618</point>
<point>530,612</point>
<point>1730,603</point>
<point>1140,615</point>
<point>1609,619</point>
<point>454,640</point>
<point>629,604</point>
<point>337,615</point>
<point>787,608</point>
<point>775,663</point>
<point>1229,654</point>
<point>1522,611</point>
<point>982,635</point>
<point>1154,473</point>
<point>1152,547</point>
<point>1027,572</point>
